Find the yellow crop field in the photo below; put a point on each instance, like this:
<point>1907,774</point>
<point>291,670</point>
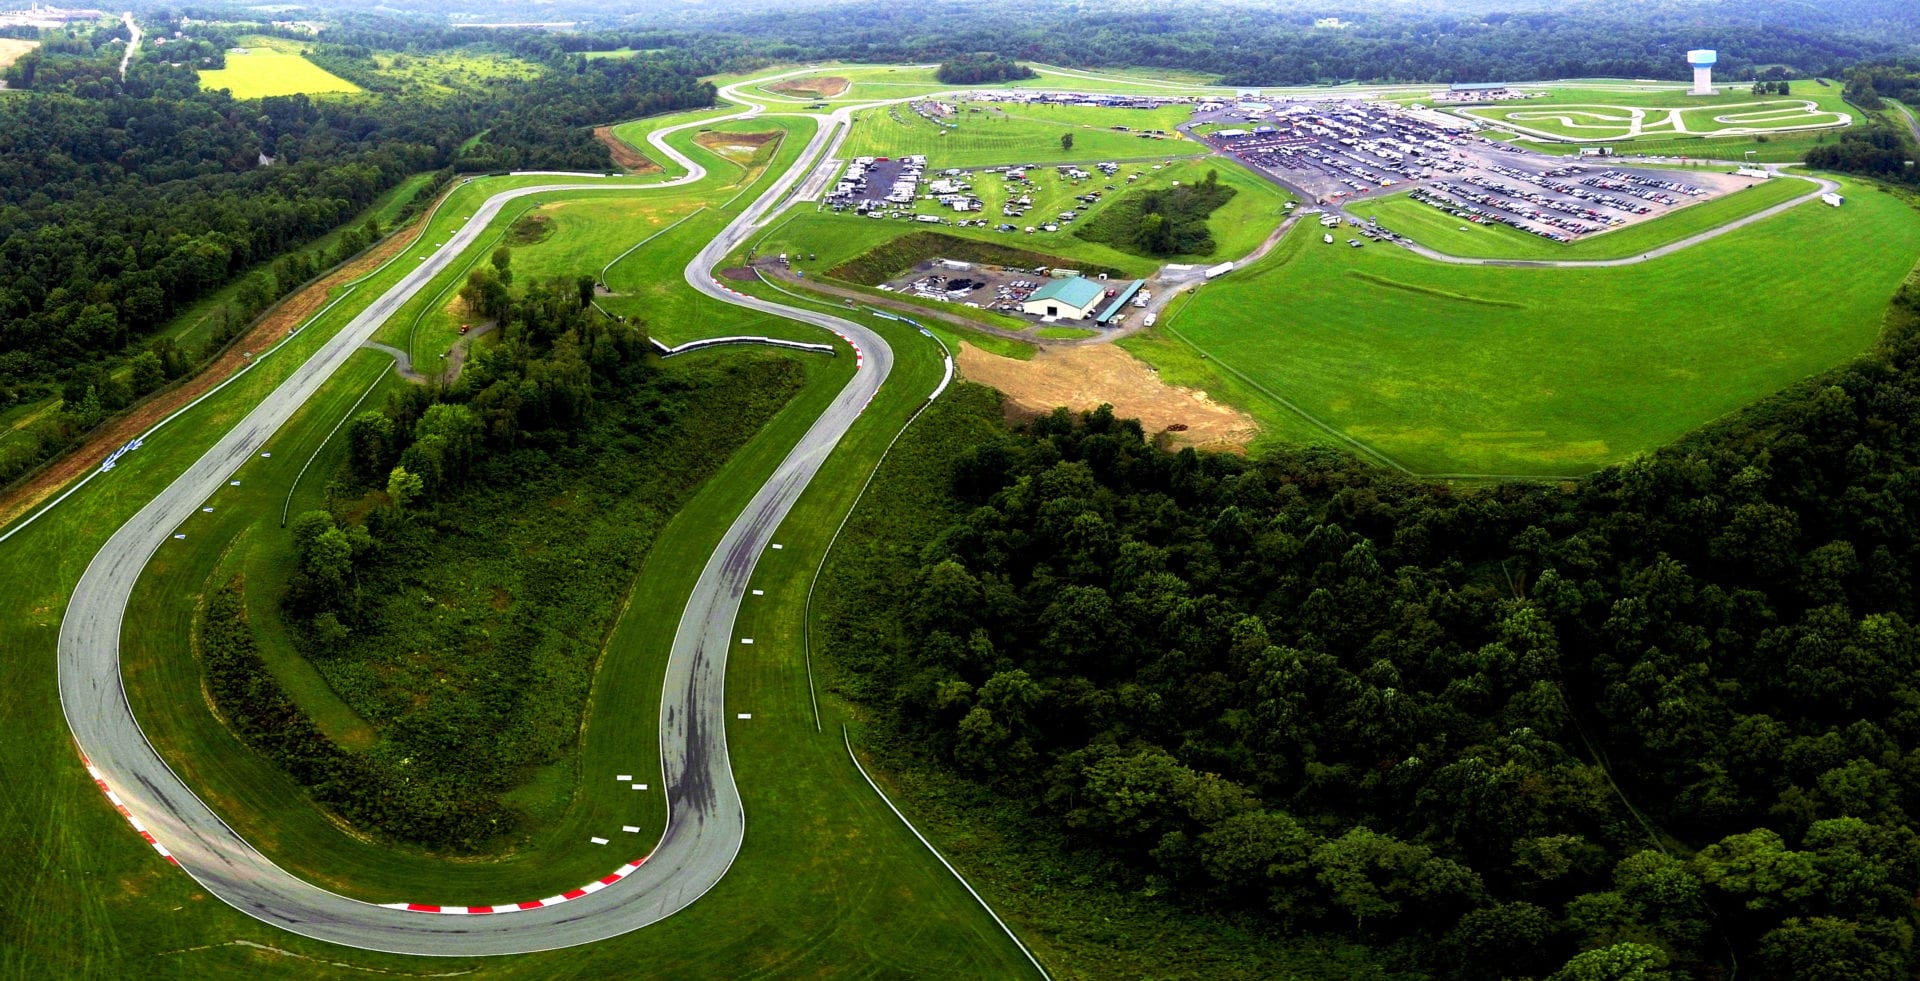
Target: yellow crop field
<point>254,73</point>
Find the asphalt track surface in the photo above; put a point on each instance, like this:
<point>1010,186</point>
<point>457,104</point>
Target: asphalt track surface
<point>706,821</point>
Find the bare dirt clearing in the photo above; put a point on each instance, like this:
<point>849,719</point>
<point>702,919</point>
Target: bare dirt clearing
<point>1082,377</point>
<point>624,153</point>
<point>823,88</point>
<point>737,147</point>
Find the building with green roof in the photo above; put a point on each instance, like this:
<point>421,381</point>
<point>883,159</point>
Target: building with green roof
<point>1068,299</point>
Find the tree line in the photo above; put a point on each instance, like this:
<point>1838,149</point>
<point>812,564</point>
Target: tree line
<point>1659,721</point>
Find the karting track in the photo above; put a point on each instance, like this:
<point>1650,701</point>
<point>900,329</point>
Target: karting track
<point>706,822</point>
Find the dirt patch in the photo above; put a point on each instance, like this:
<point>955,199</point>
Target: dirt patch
<point>740,274</point>
<point>739,147</point>
<point>116,432</point>
<point>624,153</point>
<point>822,88</point>
<point>1084,376</point>
<point>530,228</point>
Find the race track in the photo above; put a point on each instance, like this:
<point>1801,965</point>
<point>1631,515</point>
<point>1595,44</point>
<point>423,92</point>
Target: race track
<point>706,822</point>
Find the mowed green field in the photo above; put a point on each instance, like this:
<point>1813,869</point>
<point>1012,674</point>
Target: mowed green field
<point>261,71</point>
<point>1441,231</point>
<point>1481,370</point>
<point>1631,113</point>
<point>1011,134</point>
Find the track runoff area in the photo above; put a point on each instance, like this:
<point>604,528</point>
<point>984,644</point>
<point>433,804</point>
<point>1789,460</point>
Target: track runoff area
<point>707,821</point>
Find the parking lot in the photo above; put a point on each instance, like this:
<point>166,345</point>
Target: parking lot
<point>1340,153</point>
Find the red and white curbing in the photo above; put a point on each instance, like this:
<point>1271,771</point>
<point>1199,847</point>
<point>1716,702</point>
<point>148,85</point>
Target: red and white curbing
<point>586,890</point>
<point>114,799</point>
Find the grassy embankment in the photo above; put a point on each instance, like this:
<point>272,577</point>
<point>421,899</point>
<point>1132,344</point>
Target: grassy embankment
<point>1488,370</point>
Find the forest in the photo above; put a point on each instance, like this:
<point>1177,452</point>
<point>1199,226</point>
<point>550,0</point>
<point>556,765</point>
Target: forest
<point>975,69</point>
<point>1163,220</point>
<point>1652,724</point>
<point>1289,43</point>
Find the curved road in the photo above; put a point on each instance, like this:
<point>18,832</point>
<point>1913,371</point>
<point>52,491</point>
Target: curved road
<point>706,822</point>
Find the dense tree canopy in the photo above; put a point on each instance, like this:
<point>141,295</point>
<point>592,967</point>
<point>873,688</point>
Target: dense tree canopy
<point>1640,723</point>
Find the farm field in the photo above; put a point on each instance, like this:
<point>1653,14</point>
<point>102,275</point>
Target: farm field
<point>1443,232</point>
<point>11,48</point>
<point>261,70</point>
<point>1486,370</point>
<point>1007,134</point>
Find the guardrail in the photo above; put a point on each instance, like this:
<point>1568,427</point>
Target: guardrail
<point>668,352</point>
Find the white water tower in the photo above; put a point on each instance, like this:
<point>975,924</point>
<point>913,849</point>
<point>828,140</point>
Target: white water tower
<point>1702,61</point>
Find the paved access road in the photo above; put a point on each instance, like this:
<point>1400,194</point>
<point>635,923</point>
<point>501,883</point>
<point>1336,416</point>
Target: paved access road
<point>706,821</point>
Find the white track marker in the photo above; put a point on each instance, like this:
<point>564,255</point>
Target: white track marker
<point>778,545</point>
<point>624,777</point>
<point>206,510</point>
<point>233,483</point>
<point>598,841</point>
<point>639,786</point>
<point>746,640</point>
<point>179,536</point>
<point>744,715</point>
<point>265,455</point>
<point>630,829</point>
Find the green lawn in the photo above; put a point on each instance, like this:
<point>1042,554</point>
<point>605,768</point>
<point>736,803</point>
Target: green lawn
<point>1003,133</point>
<point>1594,113</point>
<point>1487,370</point>
<point>1441,231</point>
<point>259,71</point>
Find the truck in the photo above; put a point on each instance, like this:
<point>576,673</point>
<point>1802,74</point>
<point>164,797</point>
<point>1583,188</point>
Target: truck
<point>1222,269</point>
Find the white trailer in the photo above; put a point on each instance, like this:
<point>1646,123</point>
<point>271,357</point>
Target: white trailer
<point>1214,272</point>
<point>1833,199</point>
